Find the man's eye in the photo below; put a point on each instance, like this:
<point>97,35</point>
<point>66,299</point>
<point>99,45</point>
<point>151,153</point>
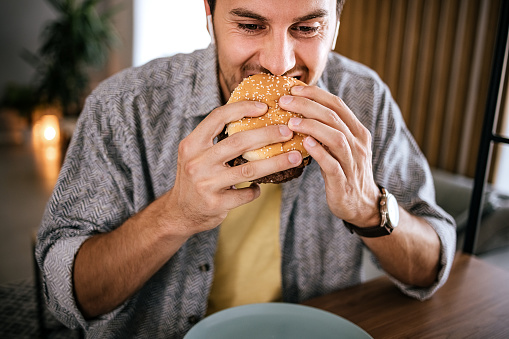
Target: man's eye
<point>306,31</point>
<point>251,28</point>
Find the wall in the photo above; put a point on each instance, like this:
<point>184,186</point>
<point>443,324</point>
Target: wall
<point>435,55</point>
<point>20,24</point>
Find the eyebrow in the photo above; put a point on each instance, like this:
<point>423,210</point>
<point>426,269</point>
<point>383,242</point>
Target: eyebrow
<point>245,13</point>
<point>319,13</point>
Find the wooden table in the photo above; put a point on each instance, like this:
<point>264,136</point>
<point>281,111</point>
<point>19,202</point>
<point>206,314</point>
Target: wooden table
<point>473,303</point>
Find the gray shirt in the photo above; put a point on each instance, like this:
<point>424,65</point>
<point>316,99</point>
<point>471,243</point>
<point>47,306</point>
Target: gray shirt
<point>123,155</point>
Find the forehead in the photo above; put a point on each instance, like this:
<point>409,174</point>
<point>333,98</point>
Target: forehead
<point>278,9</point>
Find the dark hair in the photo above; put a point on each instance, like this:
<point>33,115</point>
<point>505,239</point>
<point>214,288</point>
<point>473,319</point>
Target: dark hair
<point>339,6</point>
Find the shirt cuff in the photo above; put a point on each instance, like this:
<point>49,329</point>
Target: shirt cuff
<point>447,238</point>
<point>58,285</point>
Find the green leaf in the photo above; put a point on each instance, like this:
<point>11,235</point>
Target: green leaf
<point>79,38</point>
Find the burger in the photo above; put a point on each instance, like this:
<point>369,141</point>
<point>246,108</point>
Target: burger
<point>267,89</point>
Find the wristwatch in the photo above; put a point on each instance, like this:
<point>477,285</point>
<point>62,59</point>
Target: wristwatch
<point>389,214</point>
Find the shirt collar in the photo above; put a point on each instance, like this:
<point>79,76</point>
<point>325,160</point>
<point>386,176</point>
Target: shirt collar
<point>206,94</point>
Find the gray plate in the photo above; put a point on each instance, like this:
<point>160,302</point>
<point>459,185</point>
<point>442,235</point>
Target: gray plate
<point>275,320</point>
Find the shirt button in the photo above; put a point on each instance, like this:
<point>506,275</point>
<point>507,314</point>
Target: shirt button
<point>204,267</point>
<point>193,319</point>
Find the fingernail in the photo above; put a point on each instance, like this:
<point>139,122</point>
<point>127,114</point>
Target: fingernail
<point>294,157</point>
<point>284,130</point>
<point>310,141</point>
<point>297,88</point>
<point>295,121</point>
<point>260,104</point>
<point>286,99</point>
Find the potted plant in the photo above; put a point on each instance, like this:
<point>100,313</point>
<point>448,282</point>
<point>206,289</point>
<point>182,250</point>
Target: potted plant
<point>79,38</point>
<point>19,98</point>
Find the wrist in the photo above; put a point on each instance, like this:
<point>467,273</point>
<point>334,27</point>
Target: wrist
<point>165,222</point>
<point>370,215</point>
<point>388,218</point>
<point>373,220</point>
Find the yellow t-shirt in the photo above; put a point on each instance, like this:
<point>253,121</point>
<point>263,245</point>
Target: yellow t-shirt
<point>248,256</point>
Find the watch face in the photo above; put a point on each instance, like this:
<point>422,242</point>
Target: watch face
<point>392,210</point>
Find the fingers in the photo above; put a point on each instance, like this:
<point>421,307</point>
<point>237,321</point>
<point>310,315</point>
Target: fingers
<point>337,161</point>
<point>332,102</point>
<point>214,123</point>
<point>209,166</point>
<point>315,103</point>
<point>256,169</point>
<point>203,182</point>
<point>215,192</point>
<point>237,197</point>
<point>241,142</point>
<point>313,110</point>
<point>338,158</point>
<point>327,119</point>
<point>203,163</point>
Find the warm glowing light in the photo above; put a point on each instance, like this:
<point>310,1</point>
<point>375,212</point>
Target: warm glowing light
<point>51,153</point>
<point>50,133</point>
<point>47,130</point>
<point>46,143</point>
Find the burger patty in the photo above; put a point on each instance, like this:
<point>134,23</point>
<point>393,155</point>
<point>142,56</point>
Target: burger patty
<point>278,177</point>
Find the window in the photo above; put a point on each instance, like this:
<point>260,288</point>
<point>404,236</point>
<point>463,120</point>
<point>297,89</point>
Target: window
<point>166,27</point>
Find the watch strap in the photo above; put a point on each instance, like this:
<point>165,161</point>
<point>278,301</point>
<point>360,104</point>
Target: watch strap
<point>385,227</point>
<point>368,232</point>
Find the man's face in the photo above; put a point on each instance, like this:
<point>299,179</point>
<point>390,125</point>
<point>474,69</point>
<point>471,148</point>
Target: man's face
<point>281,37</point>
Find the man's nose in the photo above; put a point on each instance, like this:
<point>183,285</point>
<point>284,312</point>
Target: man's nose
<point>278,54</point>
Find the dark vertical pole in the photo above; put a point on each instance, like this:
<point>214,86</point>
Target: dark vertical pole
<point>487,136</point>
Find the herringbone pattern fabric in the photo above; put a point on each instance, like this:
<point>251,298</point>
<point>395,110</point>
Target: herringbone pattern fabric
<point>124,155</point>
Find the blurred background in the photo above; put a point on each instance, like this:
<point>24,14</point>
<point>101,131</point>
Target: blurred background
<point>435,55</point>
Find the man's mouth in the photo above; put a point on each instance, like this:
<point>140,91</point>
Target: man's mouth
<point>296,72</point>
<point>296,76</point>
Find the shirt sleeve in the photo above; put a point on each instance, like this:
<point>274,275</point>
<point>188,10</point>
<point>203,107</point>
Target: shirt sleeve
<point>400,166</point>
<point>92,195</point>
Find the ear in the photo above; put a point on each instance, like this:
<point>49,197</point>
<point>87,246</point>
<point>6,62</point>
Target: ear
<point>207,7</point>
<point>210,25</point>
<point>335,35</point>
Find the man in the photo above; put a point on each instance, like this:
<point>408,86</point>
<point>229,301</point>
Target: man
<point>128,241</point>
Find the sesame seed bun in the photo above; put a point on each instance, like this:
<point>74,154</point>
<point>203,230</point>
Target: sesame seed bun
<point>268,89</point>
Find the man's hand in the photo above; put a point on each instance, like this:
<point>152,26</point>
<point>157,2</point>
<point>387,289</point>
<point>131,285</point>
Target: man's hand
<point>111,267</point>
<point>343,152</point>
<point>203,194</point>
<point>411,253</point>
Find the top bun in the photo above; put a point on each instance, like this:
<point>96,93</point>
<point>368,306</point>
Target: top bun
<point>267,89</point>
